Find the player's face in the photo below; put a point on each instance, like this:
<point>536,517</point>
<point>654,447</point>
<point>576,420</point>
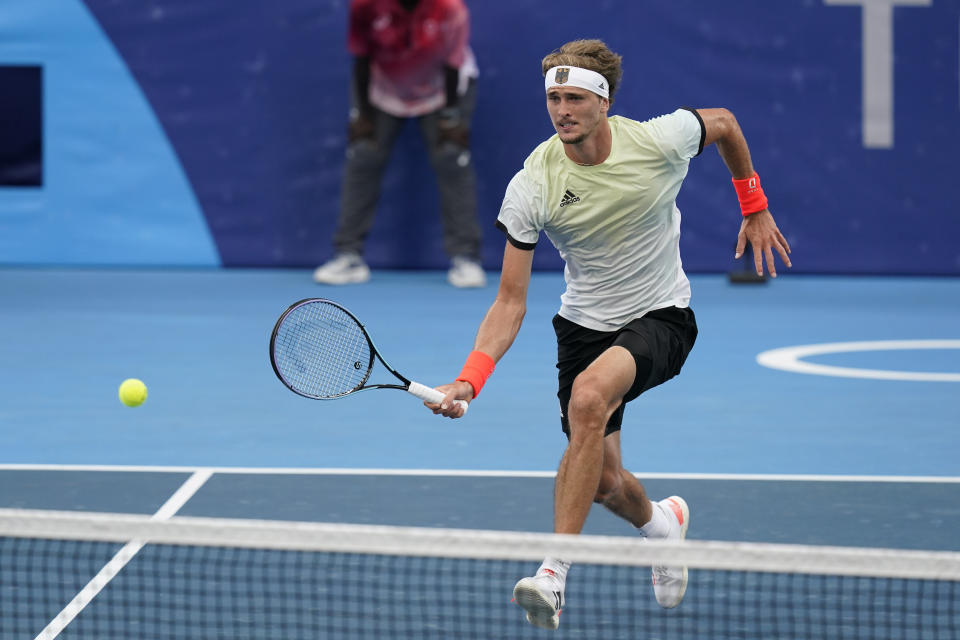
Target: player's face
<point>575,112</point>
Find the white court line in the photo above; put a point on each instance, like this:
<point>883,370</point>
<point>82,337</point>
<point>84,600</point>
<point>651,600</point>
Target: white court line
<point>790,359</point>
<point>122,557</point>
<point>477,473</point>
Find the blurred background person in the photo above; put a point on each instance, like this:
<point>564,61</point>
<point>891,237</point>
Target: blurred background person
<point>412,60</point>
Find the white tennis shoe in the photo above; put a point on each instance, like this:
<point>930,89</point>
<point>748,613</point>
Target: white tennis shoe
<point>344,268</point>
<point>466,273</point>
<point>670,583</point>
<point>542,598</point>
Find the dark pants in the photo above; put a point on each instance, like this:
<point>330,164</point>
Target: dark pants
<point>363,174</point>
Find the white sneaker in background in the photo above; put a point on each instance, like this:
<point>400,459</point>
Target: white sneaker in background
<point>344,268</point>
<point>466,273</point>
<point>542,598</point>
<point>670,583</point>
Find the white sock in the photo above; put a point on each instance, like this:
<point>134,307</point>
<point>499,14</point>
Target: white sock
<point>557,567</point>
<point>659,525</point>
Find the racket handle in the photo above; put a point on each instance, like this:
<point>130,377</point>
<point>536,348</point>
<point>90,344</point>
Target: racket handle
<point>429,394</point>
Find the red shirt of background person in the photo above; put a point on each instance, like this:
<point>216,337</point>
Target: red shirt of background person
<point>406,48</point>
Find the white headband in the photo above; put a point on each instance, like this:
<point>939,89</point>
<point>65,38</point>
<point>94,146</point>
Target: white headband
<point>577,77</point>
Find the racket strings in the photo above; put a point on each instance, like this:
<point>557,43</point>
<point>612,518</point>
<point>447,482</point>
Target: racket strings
<point>321,351</point>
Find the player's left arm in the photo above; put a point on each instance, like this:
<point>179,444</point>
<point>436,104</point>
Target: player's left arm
<point>758,227</point>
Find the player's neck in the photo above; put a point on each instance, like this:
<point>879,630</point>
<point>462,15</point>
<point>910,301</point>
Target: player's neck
<point>593,149</point>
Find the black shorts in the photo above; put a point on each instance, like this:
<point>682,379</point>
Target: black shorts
<point>659,341</point>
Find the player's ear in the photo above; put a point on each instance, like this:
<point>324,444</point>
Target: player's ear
<point>604,104</point>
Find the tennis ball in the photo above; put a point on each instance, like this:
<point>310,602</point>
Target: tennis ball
<point>132,392</point>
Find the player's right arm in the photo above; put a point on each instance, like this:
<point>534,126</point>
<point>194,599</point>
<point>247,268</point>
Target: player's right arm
<point>500,325</point>
<point>519,220</point>
<point>504,317</point>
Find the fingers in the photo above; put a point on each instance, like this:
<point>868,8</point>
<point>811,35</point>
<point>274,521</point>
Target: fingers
<point>741,245</point>
<point>771,266</point>
<point>783,248</point>
<point>783,240</point>
<point>761,232</point>
<point>779,243</point>
<point>784,254</point>
<point>360,129</point>
<point>765,252</point>
<point>450,407</point>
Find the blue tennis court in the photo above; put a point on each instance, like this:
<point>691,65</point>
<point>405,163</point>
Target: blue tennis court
<point>170,174</point>
<point>760,454</point>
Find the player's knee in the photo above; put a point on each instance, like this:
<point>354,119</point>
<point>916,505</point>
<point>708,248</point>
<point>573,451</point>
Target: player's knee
<point>587,409</point>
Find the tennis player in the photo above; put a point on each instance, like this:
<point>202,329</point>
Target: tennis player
<point>604,190</point>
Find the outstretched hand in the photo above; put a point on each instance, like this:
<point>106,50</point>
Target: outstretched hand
<point>457,134</point>
<point>448,407</point>
<point>452,129</point>
<point>760,230</point>
<point>361,127</point>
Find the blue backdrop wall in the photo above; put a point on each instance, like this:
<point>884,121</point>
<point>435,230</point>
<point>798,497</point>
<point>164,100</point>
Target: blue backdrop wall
<point>212,132</point>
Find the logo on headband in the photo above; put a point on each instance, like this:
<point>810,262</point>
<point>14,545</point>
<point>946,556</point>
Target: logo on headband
<point>562,75</point>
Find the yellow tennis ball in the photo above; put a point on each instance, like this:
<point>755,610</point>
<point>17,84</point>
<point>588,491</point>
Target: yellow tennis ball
<point>132,392</point>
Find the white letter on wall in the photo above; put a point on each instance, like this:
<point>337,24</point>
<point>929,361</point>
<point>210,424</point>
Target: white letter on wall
<point>878,67</point>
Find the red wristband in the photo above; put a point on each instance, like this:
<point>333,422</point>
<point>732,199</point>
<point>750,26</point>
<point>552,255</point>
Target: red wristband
<point>750,194</point>
<point>476,370</point>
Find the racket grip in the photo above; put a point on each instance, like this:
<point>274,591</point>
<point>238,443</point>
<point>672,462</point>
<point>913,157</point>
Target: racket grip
<point>429,394</point>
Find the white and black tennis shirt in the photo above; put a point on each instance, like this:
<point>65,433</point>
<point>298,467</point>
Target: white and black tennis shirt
<point>615,224</point>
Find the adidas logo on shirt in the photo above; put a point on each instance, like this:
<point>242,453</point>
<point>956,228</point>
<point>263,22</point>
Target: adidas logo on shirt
<point>569,198</point>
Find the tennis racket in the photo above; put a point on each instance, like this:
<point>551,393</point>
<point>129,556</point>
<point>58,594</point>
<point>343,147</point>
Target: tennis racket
<point>322,351</point>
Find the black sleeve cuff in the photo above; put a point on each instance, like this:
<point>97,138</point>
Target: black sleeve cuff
<point>703,128</point>
<point>526,246</point>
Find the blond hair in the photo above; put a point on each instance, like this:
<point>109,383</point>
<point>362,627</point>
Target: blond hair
<point>588,54</point>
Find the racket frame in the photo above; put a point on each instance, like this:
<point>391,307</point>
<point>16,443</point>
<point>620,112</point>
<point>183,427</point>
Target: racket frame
<point>374,354</point>
<point>428,394</point>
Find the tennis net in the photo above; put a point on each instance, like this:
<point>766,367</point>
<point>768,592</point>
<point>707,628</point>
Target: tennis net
<point>104,576</point>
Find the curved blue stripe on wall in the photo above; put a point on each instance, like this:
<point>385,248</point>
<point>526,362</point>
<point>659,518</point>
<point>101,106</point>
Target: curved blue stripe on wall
<point>252,95</point>
<point>114,192</point>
